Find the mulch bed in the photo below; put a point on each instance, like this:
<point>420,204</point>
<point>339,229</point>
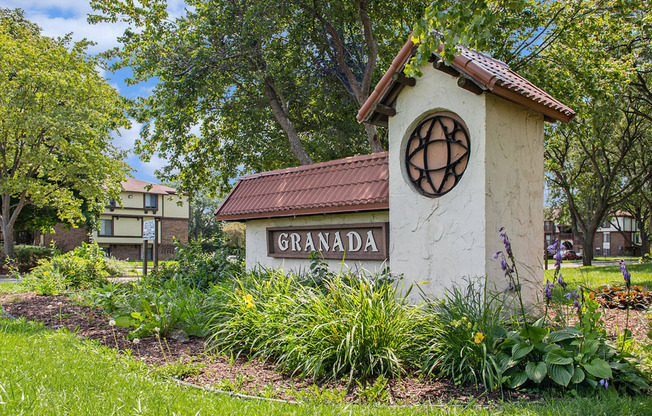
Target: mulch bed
<point>252,377</point>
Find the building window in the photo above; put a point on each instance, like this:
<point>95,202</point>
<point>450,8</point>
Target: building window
<point>151,201</point>
<point>106,227</point>
<point>606,237</point>
<point>111,203</point>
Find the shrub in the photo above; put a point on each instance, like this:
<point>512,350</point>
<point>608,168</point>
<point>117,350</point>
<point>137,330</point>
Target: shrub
<point>645,258</point>
<point>354,326</point>
<point>169,305</point>
<point>82,268</point>
<point>460,335</point>
<point>200,268</point>
<point>27,257</point>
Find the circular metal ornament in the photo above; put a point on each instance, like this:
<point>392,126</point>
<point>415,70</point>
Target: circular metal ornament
<point>437,154</point>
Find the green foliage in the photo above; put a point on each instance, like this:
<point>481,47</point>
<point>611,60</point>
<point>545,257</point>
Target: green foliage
<point>200,268</point>
<point>27,257</point>
<point>164,307</point>
<point>352,326</point>
<point>57,118</point>
<point>82,268</point>
<point>573,358</point>
<point>460,334</point>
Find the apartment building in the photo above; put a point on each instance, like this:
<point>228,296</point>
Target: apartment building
<point>122,222</point>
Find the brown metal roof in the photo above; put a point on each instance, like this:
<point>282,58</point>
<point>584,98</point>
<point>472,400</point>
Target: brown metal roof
<point>136,185</point>
<point>481,71</point>
<point>358,183</point>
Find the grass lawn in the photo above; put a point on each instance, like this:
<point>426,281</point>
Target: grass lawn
<point>596,276</point>
<point>44,372</point>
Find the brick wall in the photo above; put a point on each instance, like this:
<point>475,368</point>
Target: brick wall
<point>66,239</point>
<point>125,251</point>
<point>174,227</point>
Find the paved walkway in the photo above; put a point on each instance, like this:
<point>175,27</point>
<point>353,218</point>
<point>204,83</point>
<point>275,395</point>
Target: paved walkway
<point>6,279</point>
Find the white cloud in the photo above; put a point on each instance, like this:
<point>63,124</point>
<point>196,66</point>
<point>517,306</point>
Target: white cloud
<point>127,137</point>
<point>103,34</point>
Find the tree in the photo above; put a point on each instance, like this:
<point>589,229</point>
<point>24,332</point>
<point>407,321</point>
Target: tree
<point>266,84</point>
<point>56,116</point>
<point>202,223</point>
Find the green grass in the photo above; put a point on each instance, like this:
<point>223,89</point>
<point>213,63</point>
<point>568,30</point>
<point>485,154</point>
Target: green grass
<point>11,288</point>
<point>53,373</point>
<point>596,276</point>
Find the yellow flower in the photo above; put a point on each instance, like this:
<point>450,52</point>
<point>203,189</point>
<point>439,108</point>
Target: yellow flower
<point>46,273</point>
<point>248,298</point>
<point>478,337</point>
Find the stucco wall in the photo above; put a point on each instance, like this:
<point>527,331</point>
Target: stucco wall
<point>175,207</point>
<point>443,241</point>
<point>257,240</point>
<point>514,191</point>
<point>437,241</point>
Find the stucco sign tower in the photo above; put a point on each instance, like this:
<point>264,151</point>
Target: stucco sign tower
<point>465,159</point>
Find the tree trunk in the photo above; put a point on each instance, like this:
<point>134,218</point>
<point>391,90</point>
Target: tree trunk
<point>587,242</point>
<point>7,229</point>
<point>645,243</point>
<point>372,136</point>
<point>279,108</point>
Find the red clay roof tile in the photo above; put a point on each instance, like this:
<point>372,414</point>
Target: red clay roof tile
<point>358,183</point>
<point>492,74</point>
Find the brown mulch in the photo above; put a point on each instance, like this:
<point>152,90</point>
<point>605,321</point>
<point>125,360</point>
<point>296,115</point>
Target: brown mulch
<point>252,377</point>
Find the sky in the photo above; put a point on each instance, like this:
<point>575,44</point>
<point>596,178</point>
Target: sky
<point>60,17</point>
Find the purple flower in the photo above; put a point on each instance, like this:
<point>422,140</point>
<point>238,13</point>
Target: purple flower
<point>554,246</point>
<point>626,274</point>
<point>547,291</point>
<point>503,264</point>
<point>495,256</point>
<point>561,282</point>
<point>506,243</point>
<point>604,383</point>
<point>568,295</point>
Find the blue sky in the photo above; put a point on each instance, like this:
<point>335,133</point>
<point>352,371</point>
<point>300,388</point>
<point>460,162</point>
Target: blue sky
<point>60,17</point>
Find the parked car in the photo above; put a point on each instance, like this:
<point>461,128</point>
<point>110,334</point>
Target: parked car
<point>570,255</point>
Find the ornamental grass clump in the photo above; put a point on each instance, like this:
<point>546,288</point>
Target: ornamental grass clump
<point>458,339</point>
<point>352,326</point>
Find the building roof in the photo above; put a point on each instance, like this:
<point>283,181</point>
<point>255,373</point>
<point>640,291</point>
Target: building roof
<point>477,72</point>
<point>136,185</point>
<point>358,183</point>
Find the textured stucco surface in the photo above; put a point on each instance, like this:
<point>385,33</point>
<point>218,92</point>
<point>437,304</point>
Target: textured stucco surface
<point>437,241</point>
<point>257,241</point>
<point>514,190</point>
<point>442,241</point>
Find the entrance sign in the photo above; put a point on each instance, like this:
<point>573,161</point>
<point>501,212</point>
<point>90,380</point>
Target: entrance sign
<point>349,241</point>
<point>149,230</point>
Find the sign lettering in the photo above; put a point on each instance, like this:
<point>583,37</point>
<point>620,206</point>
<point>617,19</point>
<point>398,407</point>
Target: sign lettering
<point>349,241</point>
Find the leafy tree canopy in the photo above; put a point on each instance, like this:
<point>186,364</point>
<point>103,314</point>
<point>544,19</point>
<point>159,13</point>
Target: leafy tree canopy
<point>56,116</point>
<point>246,86</point>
